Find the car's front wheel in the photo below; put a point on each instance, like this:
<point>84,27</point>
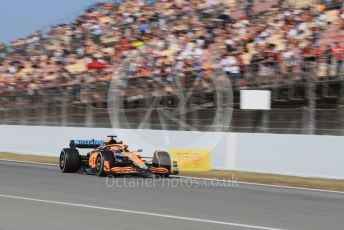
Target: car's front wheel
<point>104,157</point>
<point>162,160</point>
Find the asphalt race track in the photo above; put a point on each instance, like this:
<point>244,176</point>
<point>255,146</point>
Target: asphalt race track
<point>37,197</point>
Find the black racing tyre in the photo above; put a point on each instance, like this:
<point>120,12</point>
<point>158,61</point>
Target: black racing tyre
<point>69,160</point>
<point>102,157</point>
<point>162,159</point>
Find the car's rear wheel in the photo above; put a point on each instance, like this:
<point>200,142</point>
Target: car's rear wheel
<point>102,158</point>
<point>162,160</point>
<point>69,160</point>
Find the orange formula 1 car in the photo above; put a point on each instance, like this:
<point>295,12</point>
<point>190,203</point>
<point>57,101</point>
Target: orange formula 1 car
<point>113,157</point>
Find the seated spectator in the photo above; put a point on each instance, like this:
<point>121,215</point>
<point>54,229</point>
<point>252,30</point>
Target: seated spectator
<point>338,53</point>
<point>328,55</point>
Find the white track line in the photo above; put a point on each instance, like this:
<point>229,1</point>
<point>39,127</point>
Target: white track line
<point>263,185</point>
<point>29,162</point>
<point>139,212</point>
<point>209,179</point>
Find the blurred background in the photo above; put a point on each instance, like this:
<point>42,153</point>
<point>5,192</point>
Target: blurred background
<point>181,52</point>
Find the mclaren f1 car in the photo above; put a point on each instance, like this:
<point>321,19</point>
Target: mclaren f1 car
<point>113,157</point>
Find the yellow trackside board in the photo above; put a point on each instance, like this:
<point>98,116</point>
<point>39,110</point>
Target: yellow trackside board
<point>191,159</point>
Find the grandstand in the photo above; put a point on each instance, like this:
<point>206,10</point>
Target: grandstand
<point>293,48</point>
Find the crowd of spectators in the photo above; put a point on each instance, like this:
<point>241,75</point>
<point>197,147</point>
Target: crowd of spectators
<point>166,39</point>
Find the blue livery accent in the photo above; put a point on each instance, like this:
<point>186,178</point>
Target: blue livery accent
<point>88,142</point>
<point>120,155</point>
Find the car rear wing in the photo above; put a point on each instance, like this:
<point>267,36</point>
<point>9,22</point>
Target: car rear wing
<point>85,144</point>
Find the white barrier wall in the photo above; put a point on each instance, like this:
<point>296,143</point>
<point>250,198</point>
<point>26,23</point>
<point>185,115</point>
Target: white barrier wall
<point>300,155</point>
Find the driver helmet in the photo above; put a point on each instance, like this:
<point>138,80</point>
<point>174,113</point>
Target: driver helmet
<point>109,141</point>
